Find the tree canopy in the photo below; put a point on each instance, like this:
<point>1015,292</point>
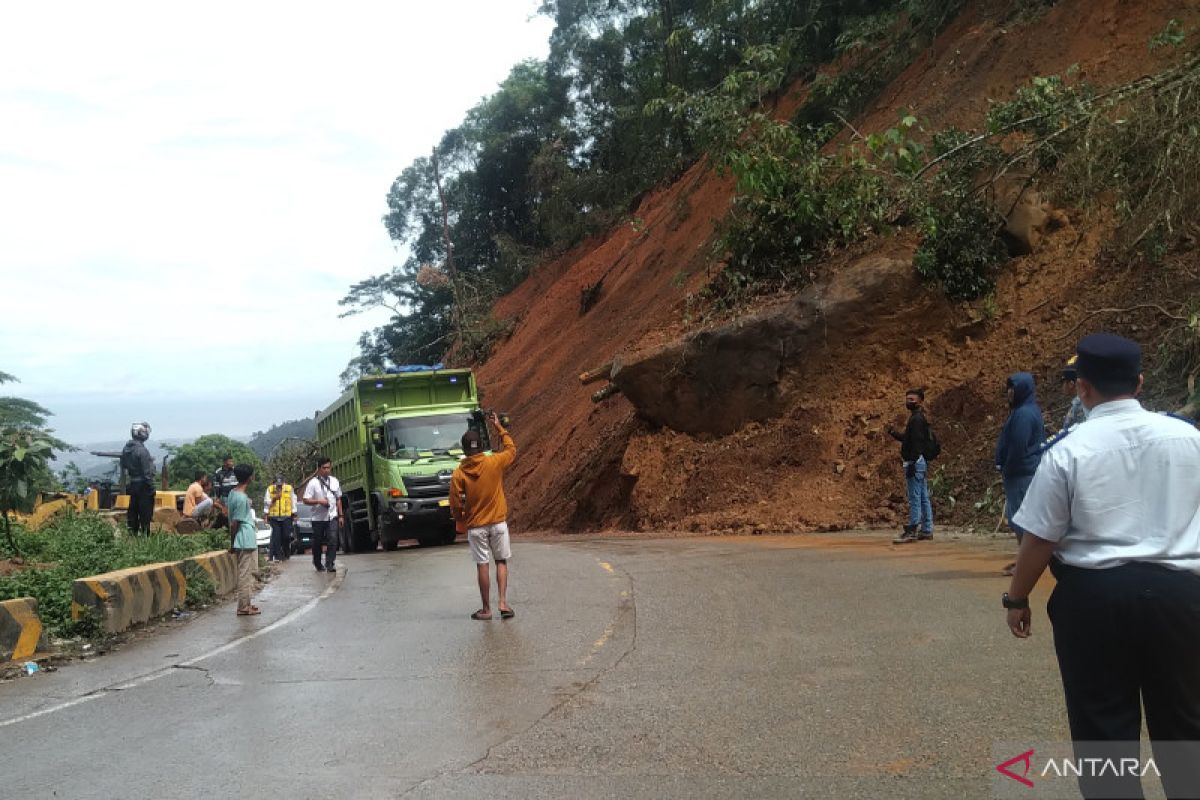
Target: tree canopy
<point>206,454</point>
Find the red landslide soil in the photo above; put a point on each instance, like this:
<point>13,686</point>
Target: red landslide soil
<point>825,463</point>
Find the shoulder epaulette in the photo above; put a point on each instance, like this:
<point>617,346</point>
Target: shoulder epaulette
<point>1056,438</point>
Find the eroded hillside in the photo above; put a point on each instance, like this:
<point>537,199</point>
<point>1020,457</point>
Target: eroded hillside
<point>817,458</point>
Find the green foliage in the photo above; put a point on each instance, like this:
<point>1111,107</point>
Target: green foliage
<point>206,454</point>
<point>793,201</point>
<point>961,249</point>
<point>25,456</point>
<point>200,587</point>
<point>1173,35</point>
<point>77,545</point>
<point>17,412</point>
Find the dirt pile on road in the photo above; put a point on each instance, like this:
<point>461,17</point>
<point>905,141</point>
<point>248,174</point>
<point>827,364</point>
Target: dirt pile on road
<point>812,453</point>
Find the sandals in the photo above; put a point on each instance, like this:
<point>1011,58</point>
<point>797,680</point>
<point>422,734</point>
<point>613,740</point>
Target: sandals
<point>249,612</point>
<point>507,613</point>
<point>479,615</point>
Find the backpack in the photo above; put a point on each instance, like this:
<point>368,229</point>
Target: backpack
<point>933,447</point>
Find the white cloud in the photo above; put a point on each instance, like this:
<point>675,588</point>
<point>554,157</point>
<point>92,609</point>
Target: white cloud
<point>185,193</point>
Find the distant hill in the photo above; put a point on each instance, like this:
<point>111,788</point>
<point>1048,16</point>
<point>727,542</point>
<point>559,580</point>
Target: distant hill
<point>263,442</point>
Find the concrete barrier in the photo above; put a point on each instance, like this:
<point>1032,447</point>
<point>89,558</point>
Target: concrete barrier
<point>221,566</point>
<point>21,633</point>
<point>129,596</point>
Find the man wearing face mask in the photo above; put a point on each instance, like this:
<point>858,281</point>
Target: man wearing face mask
<point>914,444</point>
<point>1114,511</point>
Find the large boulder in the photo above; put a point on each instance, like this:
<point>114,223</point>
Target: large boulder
<point>717,380</point>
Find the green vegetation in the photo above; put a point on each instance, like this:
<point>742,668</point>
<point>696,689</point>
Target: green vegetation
<point>75,546</point>
<point>26,450</point>
<point>205,455</point>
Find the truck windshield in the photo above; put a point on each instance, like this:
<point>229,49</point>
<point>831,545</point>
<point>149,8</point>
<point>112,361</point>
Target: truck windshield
<point>421,436</point>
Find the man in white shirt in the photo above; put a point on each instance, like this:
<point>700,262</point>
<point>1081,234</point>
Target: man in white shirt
<point>1114,510</point>
<point>325,493</point>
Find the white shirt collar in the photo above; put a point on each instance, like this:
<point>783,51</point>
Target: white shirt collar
<point>1114,407</point>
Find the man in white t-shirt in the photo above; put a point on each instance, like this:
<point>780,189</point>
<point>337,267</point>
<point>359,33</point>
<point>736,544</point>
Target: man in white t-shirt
<point>325,493</point>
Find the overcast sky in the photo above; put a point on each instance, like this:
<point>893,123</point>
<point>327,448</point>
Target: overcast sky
<point>187,190</point>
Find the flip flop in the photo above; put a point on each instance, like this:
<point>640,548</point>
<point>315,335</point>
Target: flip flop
<point>479,615</point>
<point>507,613</point>
<point>248,612</point>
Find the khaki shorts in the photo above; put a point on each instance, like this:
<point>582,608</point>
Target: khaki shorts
<point>488,542</point>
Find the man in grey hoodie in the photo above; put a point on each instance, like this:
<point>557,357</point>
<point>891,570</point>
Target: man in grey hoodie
<point>1019,448</point>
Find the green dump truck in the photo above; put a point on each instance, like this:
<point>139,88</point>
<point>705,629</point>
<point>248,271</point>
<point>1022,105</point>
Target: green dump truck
<point>394,442</point>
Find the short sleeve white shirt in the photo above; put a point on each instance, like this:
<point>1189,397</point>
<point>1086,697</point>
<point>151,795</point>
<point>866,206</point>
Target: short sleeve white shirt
<point>329,490</point>
<point>1123,486</point>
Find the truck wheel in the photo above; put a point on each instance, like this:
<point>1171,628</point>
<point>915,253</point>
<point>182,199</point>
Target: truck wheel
<point>390,544</point>
<point>362,540</point>
<point>449,536</point>
<point>429,539</point>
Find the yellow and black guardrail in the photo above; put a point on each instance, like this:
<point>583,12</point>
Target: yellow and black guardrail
<point>21,633</point>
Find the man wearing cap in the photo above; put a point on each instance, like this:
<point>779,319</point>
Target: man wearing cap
<point>279,507</point>
<point>1075,414</point>
<point>1114,511</point>
<point>477,502</point>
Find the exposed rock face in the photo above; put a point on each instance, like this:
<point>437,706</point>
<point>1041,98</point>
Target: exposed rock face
<point>716,381</point>
<point>1028,218</point>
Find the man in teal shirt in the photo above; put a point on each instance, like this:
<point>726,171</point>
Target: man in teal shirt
<point>243,538</point>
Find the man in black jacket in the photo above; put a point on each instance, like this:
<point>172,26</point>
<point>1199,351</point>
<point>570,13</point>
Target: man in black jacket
<point>914,443</point>
<point>139,470</point>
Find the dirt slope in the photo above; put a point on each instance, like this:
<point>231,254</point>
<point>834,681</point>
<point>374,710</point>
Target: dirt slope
<point>825,462</point>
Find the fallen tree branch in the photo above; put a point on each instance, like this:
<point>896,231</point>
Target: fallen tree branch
<point>1139,307</point>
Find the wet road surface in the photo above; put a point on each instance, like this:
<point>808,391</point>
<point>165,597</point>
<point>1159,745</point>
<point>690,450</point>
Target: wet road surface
<point>834,666</point>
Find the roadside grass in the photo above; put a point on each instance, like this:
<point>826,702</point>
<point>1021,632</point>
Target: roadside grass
<point>77,545</point>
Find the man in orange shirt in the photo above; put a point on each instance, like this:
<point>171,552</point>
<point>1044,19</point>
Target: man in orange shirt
<point>197,504</point>
<point>477,502</point>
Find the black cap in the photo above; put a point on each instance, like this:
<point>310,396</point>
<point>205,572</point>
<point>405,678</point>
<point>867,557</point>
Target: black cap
<point>1106,360</point>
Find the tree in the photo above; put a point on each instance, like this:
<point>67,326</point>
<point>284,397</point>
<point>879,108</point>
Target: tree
<point>205,455</point>
<point>72,478</point>
<point>24,459</point>
<point>17,412</point>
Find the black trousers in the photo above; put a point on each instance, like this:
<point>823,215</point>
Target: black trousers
<point>324,532</point>
<point>1128,638</point>
<point>141,508</point>
<point>281,537</point>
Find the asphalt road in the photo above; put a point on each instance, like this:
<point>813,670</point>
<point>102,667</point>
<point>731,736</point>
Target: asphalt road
<point>834,666</point>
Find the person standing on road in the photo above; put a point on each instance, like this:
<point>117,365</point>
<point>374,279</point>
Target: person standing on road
<point>325,493</point>
<point>477,500</point>
<point>279,507</point>
<point>139,467</point>
<point>914,443</point>
<point>243,538</point>
<point>1114,511</point>
<point>1019,447</point>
